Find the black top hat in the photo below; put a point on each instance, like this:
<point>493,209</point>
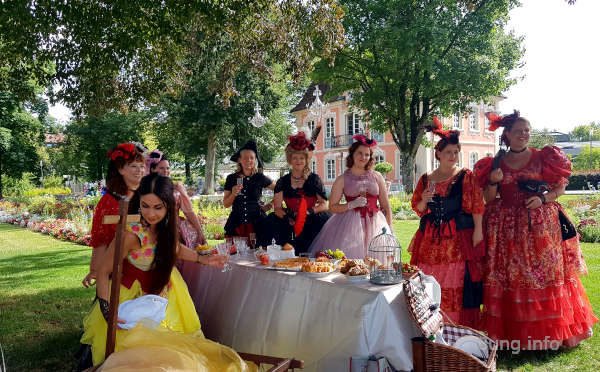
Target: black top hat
<point>250,145</point>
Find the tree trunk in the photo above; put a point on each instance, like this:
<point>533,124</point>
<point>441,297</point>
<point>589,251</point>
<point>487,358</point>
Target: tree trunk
<point>188,173</point>
<point>407,167</point>
<point>211,154</point>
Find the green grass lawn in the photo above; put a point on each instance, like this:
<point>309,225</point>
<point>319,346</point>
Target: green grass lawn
<point>42,304</point>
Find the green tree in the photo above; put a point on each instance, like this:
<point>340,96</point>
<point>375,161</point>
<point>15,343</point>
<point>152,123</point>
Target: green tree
<point>587,160</point>
<point>123,53</point>
<point>405,60</point>
<point>22,144</point>
<point>582,133</point>
<point>540,138</point>
<point>199,126</point>
<point>88,140</point>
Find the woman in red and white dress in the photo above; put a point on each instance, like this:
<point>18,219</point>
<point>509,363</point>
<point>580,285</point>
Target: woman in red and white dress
<point>532,290</point>
<point>448,243</point>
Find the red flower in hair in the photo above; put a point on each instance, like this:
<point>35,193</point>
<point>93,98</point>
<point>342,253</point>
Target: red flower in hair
<point>123,150</point>
<point>299,142</point>
<point>369,142</point>
<point>495,120</point>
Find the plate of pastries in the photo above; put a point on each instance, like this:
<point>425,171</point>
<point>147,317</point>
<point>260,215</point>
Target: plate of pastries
<point>292,264</point>
<point>318,268</point>
<point>354,270</point>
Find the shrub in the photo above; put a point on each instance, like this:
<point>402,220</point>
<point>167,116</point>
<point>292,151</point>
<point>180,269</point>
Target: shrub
<point>18,186</point>
<point>52,182</point>
<point>48,191</point>
<point>214,231</point>
<point>384,168</point>
<point>579,180</point>
<point>42,205</point>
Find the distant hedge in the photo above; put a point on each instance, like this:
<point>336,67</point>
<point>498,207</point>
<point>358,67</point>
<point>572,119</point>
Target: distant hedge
<point>580,181</point>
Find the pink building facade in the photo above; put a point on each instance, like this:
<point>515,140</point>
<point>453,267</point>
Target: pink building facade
<point>339,123</point>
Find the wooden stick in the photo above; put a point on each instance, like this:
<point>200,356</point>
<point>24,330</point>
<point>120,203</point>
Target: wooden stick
<point>115,287</point>
<point>115,219</point>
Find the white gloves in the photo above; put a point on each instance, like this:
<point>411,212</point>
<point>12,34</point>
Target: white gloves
<point>361,201</point>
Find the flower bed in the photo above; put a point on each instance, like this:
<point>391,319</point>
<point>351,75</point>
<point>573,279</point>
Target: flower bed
<point>62,229</point>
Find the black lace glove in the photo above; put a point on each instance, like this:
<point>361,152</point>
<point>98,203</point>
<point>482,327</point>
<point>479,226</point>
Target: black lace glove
<point>104,307</point>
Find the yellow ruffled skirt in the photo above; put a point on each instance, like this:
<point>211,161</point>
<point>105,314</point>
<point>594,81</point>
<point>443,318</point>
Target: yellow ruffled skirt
<point>177,344</point>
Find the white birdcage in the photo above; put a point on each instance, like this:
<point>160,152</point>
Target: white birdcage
<point>386,259</point>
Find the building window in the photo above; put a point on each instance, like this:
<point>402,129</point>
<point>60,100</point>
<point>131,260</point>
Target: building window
<point>330,169</point>
<point>329,128</point>
<point>379,137</point>
<point>353,123</point>
<point>313,166</point>
<point>456,121</point>
<point>473,122</point>
<point>473,157</point>
<point>311,127</point>
<point>436,164</point>
<point>460,161</point>
<point>486,123</point>
<point>379,158</point>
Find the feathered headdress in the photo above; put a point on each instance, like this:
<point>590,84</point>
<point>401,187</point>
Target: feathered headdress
<point>369,142</point>
<point>497,121</point>
<point>300,142</point>
<point>438,129</point>
<point>122,150</point>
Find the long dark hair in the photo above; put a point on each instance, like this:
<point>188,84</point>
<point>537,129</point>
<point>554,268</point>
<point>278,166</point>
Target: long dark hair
<point>167,240</point>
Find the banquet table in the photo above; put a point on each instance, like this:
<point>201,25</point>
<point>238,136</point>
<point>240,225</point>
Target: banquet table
<point>321,320</point>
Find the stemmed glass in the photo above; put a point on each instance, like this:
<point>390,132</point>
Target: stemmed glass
<point>252,240</point>
<point>362,188</point>
<point>431,186</point>
<point>223,250</point>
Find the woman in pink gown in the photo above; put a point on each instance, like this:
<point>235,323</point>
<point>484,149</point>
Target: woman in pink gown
<point>366,211</point>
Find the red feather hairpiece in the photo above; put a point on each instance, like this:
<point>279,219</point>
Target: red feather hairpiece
<point>495,121</point>
<point>438,129</point>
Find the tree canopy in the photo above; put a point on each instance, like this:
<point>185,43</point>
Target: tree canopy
<point>406,60</point>
<point>124,53</point>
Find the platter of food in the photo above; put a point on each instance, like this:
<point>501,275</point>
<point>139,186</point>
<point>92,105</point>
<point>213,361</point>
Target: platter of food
<point>354,270</point>
<point>290,264</point>
<point>317,268</point>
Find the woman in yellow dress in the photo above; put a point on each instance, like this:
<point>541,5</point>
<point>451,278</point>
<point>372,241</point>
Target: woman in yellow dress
<point>150,251</point>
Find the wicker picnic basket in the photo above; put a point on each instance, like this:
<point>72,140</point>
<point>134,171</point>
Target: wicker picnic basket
<point>429,355</point>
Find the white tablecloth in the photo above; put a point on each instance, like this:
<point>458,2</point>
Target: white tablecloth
<point>323,321</point>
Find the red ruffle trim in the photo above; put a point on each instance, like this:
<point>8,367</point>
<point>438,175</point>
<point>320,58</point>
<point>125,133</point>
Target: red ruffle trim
<point>562,313</point>
<point>556,166</point>
<point>482,170</point>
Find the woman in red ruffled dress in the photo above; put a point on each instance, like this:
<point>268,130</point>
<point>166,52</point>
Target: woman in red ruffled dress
<point>448,244</point>
<point>532,292</point>
<point>125,171</point>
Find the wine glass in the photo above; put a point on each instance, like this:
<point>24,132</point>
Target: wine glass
<point>362,188</point>
<point>252,240</point>
<point>223,250</point>
<point>431,187</point>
